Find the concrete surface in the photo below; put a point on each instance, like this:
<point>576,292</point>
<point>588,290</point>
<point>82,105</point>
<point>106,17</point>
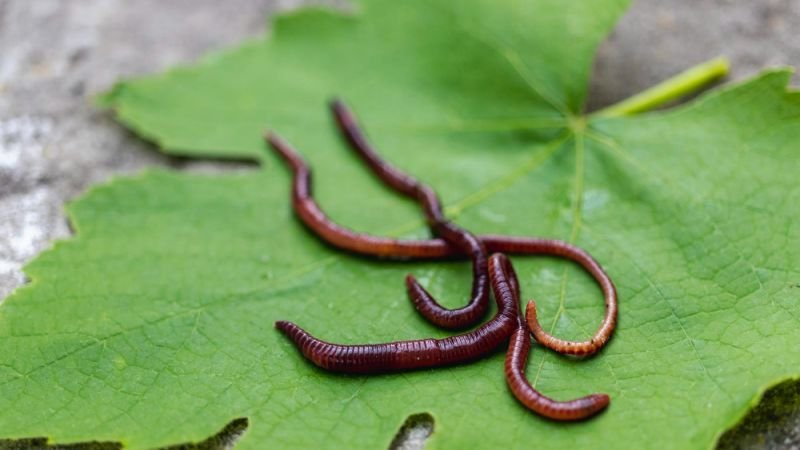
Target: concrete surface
<point>54,54</point>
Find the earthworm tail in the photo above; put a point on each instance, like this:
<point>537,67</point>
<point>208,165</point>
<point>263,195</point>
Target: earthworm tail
<point>422,353</point>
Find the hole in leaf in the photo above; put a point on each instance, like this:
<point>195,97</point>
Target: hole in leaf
<point>212,165</point>
<point>413,433</point>
<point>41,444</point>
<point>225,439</point>
<point>774,423</point>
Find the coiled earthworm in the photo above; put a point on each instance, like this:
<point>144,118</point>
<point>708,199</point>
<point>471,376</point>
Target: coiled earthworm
<point>577,348</point>
<point>410,187</point>
<point>422,353</point>
<point>456,237</point>
<point>516,361</point>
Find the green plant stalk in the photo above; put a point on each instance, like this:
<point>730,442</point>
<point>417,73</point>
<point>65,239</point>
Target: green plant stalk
<point>678,86</point>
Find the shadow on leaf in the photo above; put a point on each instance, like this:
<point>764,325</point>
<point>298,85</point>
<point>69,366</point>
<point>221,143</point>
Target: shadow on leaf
<point>774,423</point>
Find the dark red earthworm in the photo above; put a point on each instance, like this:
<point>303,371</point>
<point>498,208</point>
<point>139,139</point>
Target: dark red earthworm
<point>516,361</point>
<point>456,237</point>
<point>478,305</point>
<point>422,353</point>
<point>315,219</point>
<point>395,178</point>
<point>434,214</point>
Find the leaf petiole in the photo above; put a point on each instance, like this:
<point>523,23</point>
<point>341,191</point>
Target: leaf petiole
<point>682,84</point>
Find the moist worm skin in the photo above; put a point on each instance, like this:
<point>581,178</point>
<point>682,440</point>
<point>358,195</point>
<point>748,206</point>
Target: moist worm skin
<point>382,247</point>
<point>457,237</point>
<point>434,214</point>
<point>409,186</point>
<point>516,362</point>
<point>470,314</point>
<point>454,236</point>
<point>576,348</point>
<point>423,353</point>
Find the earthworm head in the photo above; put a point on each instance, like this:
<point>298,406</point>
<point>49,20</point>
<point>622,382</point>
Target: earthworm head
<point>287,153</point>
<point>270,136</point>
<point>276,143</point>
<point>336,104</point>
<point>533,323</point>
<point>595,403</point>
<point>342,113</point>
<point>419,296</point>
<point>530,310</point>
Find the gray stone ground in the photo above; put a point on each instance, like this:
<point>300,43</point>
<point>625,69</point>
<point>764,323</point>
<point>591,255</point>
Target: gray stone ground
<point>54,144</point>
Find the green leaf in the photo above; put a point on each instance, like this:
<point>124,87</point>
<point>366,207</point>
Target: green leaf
<point>153,325</point>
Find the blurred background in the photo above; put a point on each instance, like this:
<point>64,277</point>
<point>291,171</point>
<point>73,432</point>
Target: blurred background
<point>55,55</point>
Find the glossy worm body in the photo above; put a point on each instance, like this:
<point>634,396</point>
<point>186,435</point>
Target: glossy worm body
<point>470,314</point>
<point>410,187</point>
<point>315,219</point>
<point>422,353</point>
<point>516,361</point>
<point>576,348</point>
<point>455,237</point>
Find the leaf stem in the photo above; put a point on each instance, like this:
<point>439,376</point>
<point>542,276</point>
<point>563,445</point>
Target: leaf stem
<point>684,83</point>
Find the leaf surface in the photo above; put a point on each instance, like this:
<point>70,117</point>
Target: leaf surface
<point>153,326</point>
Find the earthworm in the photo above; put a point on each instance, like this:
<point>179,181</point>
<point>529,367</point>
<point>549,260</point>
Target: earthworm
<point>456,237</point>
<point>516,361</point>
<point>315,219</point>
<point>422,353</point>
<point>434,214</point>
<point>577,348</point>
<point>525,245</point>
<point>407,185</point>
